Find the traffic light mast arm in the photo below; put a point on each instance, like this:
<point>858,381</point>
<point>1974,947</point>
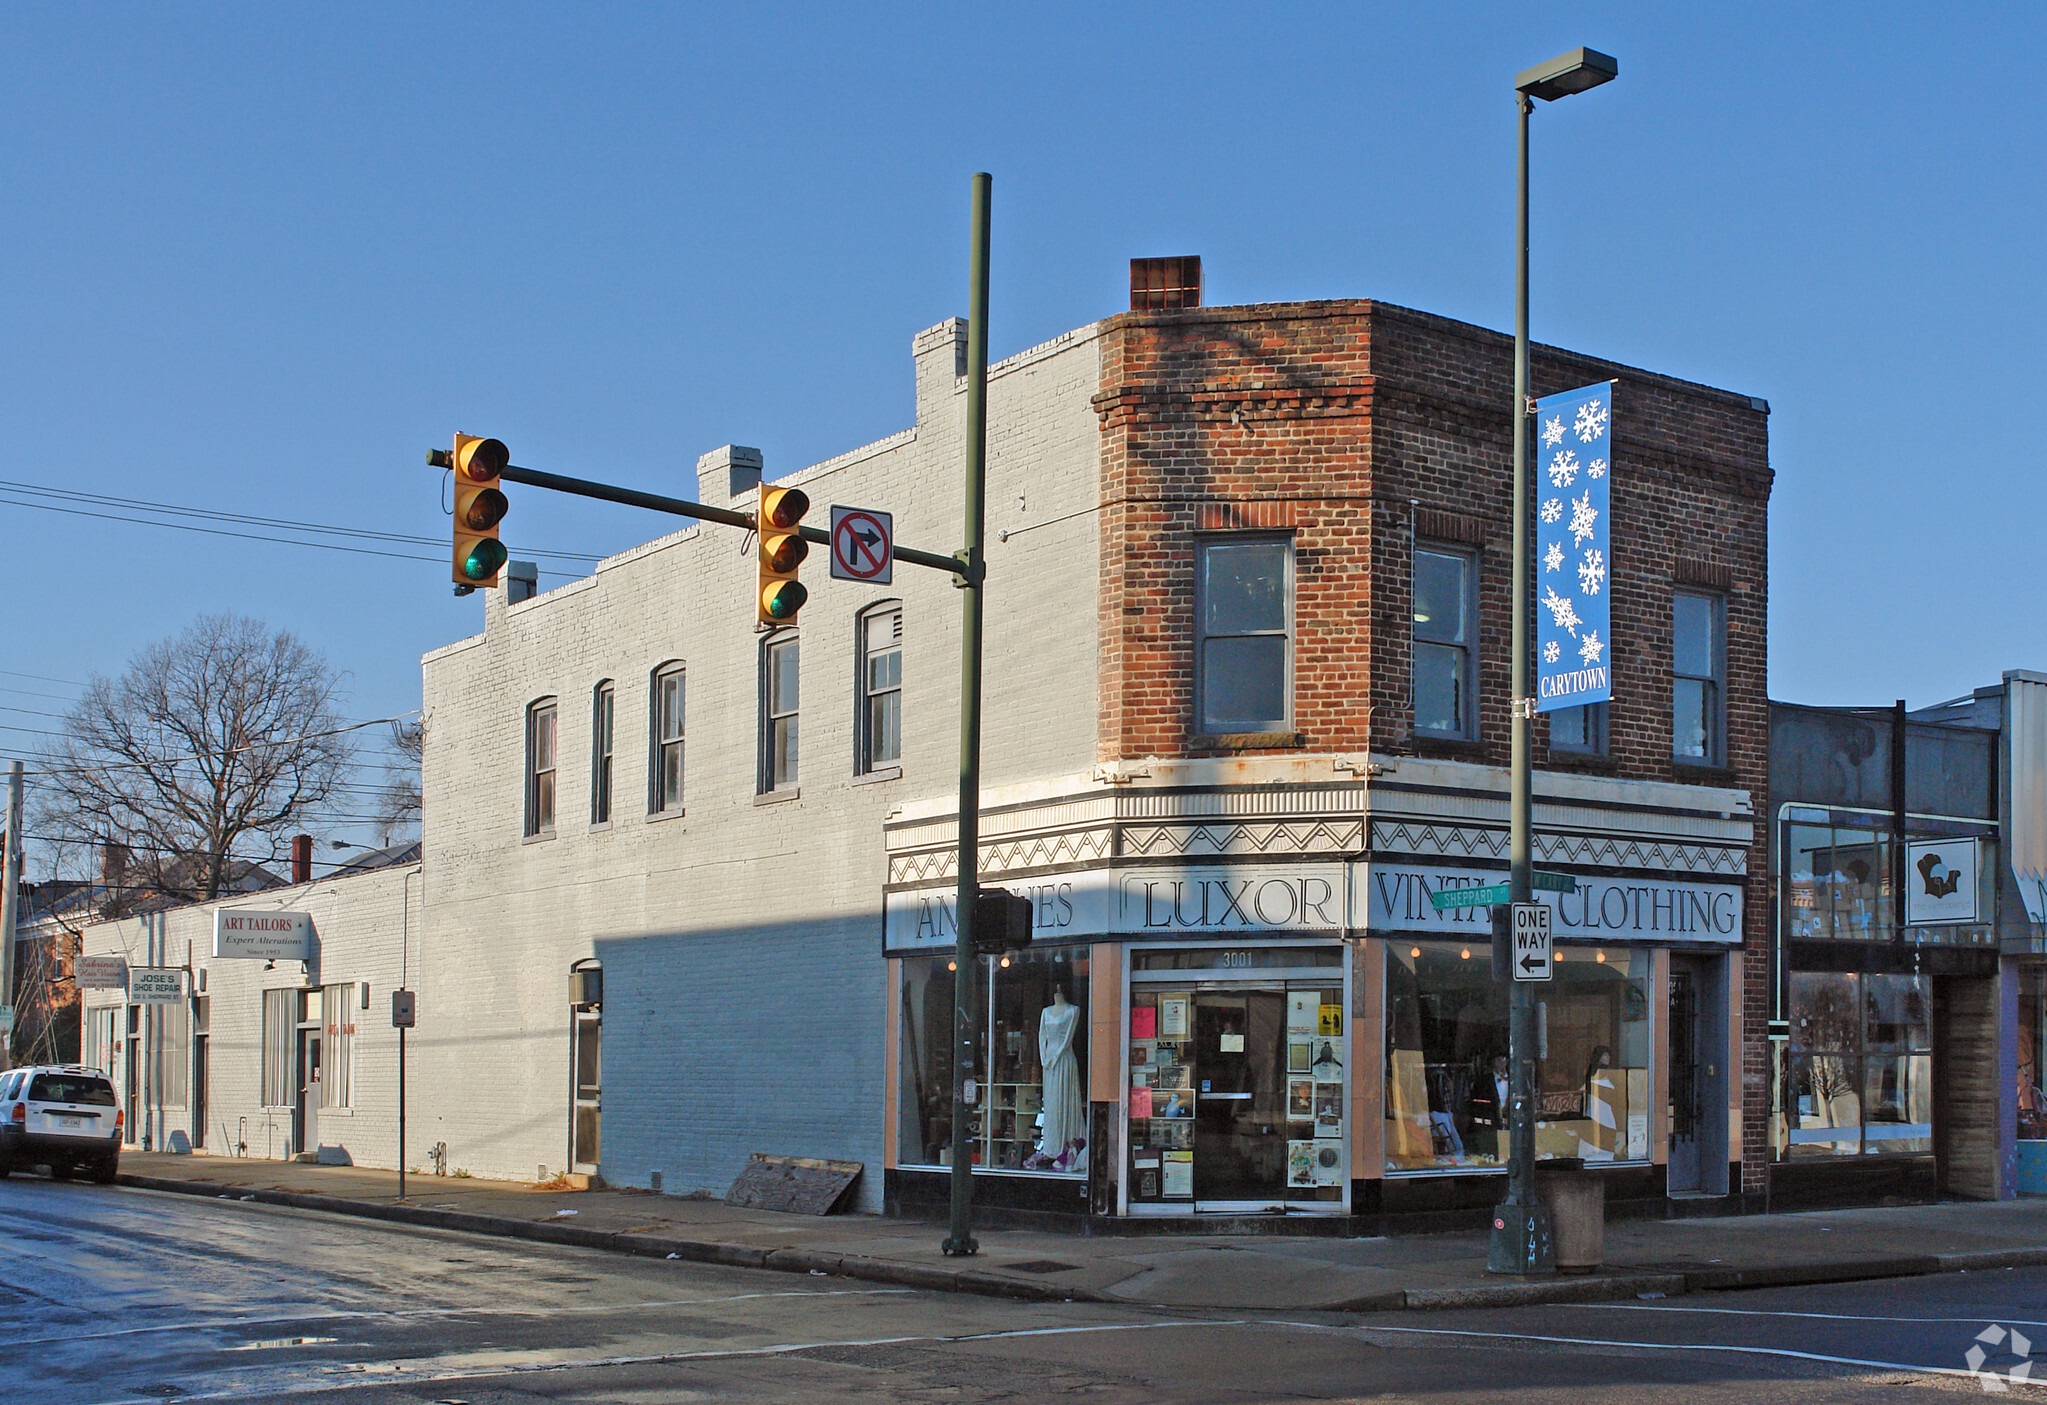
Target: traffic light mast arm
<point>681,507</point>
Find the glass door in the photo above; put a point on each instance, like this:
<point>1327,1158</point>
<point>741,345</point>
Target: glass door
<point>1240,1113</point>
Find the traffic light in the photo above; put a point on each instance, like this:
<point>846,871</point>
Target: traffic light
<point>1002,922</point>
<point>779,595</point>
<point>479,506</point>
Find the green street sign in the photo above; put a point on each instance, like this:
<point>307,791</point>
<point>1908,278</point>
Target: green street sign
<point>1554,883</point>
<point>1490,896</point>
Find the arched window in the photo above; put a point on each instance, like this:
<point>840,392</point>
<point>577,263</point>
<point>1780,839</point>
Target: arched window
<point>878,649</point>
<point>541,753</point>
<point>666,714</point>
<point>603,713</point>
<point>781,698</point>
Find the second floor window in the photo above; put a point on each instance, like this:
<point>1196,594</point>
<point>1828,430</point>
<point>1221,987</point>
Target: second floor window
<point>881,690</point>
<point>779,702</point>
<point>603,710</point>
<point>540,768</point>
<point>1698,659</point>
<point>668,728</point>
<point>1581,728</point>
<point>1445,630</point>
<point>1243,612</point>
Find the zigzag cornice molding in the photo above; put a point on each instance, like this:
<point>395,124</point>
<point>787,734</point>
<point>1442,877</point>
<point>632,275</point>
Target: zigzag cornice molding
<point>1339,836</point>
<point>1592,850</point>
<point>1334,802</point>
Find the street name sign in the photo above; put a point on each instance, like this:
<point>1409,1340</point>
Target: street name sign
<point>1492,895</point>
<point>1552,882</point>
<point>1531,942</point>
<point>863,545</point>
<point>6,1019</point>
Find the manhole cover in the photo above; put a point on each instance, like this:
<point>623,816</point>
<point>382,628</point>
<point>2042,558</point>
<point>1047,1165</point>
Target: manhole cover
<point>1041,1266</point>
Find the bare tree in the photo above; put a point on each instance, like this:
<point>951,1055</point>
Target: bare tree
<point>208,751</point>
<point>399,806</point>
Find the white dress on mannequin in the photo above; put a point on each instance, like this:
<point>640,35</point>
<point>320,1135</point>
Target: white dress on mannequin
<point>1065,1113</point>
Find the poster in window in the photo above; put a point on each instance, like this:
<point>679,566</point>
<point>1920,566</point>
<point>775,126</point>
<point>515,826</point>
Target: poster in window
<point>1140,1103</point>
<point>1300,1098</point>
<point>1329,1021</point>
<point>1300,1011</point>
<point>1172,1017</point>
<point>1328,1162</point>
<point>1300,1164</point>
<point>1300,1053</point>
<point>1328,1109</point>
<point>1144,1022</point>
<point>1178,1175</point>
<point>1327,1066</point>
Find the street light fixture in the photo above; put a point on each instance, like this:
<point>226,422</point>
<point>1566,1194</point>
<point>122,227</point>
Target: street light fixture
<point>1521,1240</point>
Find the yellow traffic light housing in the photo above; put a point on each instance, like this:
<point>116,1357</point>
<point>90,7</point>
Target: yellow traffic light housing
<point>779,595</point>
<point>479,506</point>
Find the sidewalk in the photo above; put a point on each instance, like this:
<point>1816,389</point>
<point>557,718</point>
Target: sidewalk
<point>1246,1272</point>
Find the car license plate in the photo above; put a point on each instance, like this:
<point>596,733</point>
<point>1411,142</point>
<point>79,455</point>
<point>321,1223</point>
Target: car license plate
<point>71,1122</point>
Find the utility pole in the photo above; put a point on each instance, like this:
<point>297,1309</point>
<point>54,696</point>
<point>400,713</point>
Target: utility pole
<point>966,985</point>
<point>10,898</point>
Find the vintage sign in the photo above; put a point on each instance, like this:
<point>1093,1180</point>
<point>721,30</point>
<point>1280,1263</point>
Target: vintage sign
<point>156,985</point>
<point>1940,881</point>
<point>245,935</point>
<point>101,972</point>
<point>1573,547</point>
<point>1400,899</point>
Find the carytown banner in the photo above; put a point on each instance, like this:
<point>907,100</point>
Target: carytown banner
<point>1573,553</point>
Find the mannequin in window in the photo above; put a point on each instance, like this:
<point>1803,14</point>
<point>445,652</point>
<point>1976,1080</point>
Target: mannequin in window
<point>1065,1114</point>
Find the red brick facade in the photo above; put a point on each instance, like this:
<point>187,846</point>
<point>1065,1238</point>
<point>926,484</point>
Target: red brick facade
<point>1355,424</point>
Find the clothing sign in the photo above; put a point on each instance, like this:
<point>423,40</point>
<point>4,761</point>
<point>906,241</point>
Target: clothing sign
<point>1940,881</point>
<point>262,936</point>
<point>1573,471</point>
<point>1602,909</point>
<point>156,985</point>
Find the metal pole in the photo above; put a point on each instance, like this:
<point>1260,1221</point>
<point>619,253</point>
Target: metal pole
<point>401,1112</point>
<point>966,965</point>
<point>10,893</point>
<point>1521,1226</point>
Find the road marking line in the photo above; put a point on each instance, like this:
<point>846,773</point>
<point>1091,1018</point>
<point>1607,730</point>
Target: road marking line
<point>1681,1346</point>
<point>1822,1316</point>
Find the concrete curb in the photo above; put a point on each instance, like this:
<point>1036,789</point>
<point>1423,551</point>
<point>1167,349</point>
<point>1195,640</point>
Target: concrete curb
<point>1591,1288</point>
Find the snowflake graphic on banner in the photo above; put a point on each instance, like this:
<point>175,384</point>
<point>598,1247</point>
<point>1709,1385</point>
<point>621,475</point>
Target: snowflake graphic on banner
<point>1562,612</point>
<point>1584,517</point>
<point>1573,474</point>
<point>1591,571</point>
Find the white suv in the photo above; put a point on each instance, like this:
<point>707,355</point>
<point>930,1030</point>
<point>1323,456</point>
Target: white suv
<point>63,1116</point>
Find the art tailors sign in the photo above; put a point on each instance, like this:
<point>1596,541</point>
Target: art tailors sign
<point>262,936</point>
<point>1573,547</point>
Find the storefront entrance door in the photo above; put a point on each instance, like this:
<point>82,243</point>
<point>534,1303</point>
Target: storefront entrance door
<point>1240,1104</point>
<point>1685,1102</point>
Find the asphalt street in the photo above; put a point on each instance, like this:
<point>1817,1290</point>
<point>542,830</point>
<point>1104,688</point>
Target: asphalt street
<point>117,1294</point>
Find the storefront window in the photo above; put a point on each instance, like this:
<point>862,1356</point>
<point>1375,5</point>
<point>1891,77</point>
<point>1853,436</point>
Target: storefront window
<point>1446,1057</point>
<point>1860,1072</point>
<point>1839,885</point>
<point>1030,1071</point>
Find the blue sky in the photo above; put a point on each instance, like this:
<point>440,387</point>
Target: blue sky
<point>261,258</point>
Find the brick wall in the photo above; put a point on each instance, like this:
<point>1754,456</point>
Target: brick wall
<point>1358,426</point>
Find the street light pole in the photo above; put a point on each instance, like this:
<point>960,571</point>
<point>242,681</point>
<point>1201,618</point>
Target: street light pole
<point>1521,1240</point>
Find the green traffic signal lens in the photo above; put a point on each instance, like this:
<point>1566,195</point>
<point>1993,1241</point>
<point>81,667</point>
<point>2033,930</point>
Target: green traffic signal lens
<point>484,560</point>
<point>786,599</point>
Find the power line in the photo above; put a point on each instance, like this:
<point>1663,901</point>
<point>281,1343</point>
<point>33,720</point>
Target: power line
<point>41,678</point>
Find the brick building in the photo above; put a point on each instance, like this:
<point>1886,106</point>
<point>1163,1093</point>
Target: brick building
<point>1247,709</point>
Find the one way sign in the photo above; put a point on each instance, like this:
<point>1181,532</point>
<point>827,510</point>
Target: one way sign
<point>1531,942</point>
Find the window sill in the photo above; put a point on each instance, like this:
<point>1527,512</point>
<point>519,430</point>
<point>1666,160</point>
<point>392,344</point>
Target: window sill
<point>544,837</point>
<point>1245,741</point>
<point>599,826</point>
<point>777,797</point>
<point>1565,759</point>
<point>1427,745</point>
<point>1696,773</point>
<point>656,816</point>
<point>886,773</point>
